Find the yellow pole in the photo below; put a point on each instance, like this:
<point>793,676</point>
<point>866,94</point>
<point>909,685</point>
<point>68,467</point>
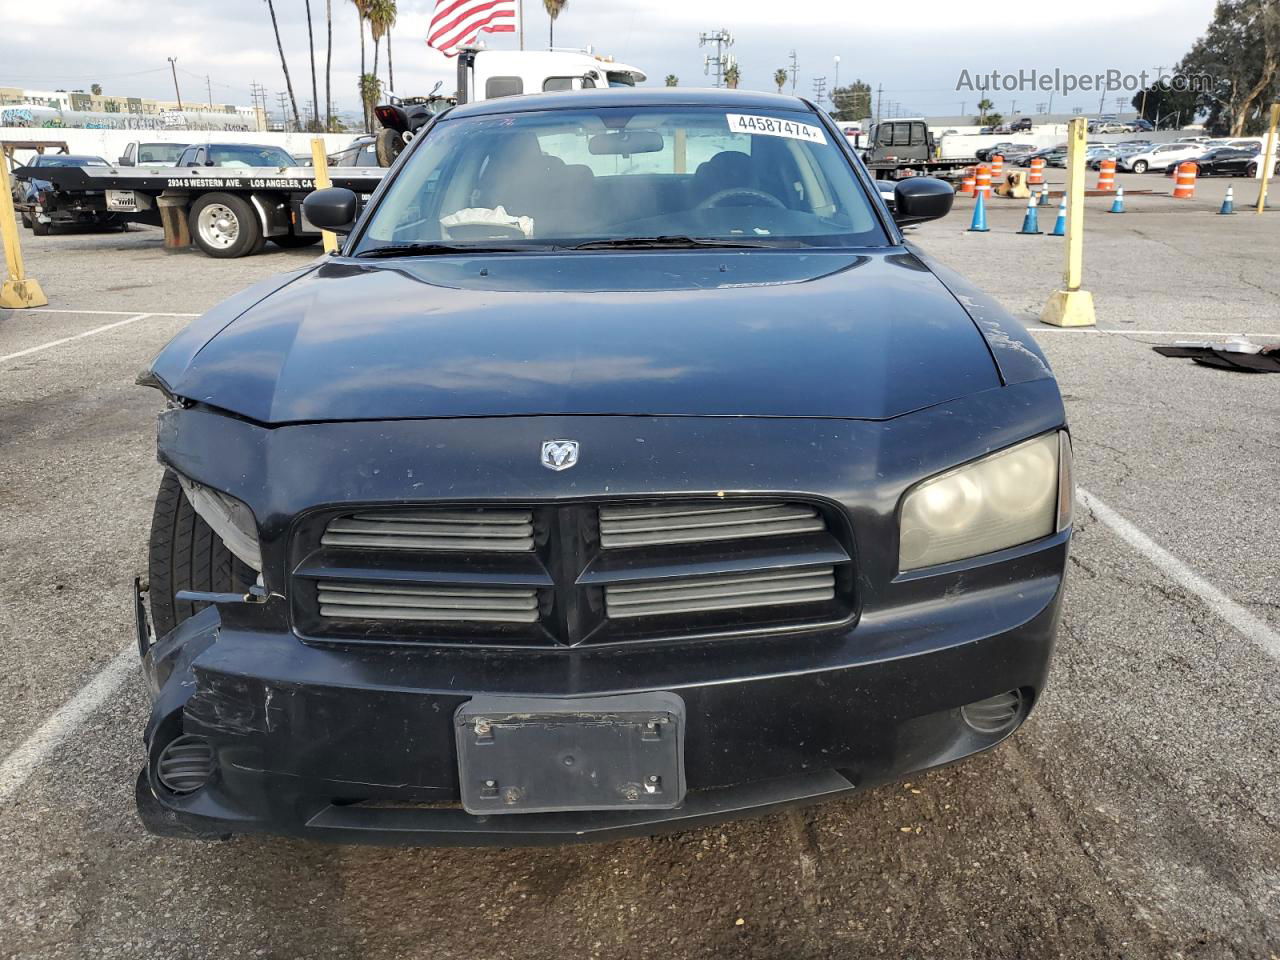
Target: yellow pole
<point>1071,306</point>
<point>321,163</point>
<point>17,290</point>
<point>1268,157</point>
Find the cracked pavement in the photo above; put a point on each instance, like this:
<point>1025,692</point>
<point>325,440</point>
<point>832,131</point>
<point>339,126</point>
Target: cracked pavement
<point>1135,815</point>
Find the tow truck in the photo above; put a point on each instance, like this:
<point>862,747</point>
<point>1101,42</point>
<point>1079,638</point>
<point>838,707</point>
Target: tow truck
<point>906,147</point>
<point>227,211</point>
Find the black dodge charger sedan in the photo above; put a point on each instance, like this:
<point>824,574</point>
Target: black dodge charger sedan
<point>625,469</point>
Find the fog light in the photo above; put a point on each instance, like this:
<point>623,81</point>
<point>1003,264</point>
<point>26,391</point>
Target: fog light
<point>996,714</point>
<point>185,764</point>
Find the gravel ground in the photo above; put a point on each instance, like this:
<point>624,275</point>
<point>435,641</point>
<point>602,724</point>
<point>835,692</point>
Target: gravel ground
<point>1135,815</point>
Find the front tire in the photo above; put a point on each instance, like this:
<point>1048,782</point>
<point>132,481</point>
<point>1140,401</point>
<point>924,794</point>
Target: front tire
<point>1140,166</point>
<point>224,225</point>
<point>187,555</point>
<point>1251,170</point>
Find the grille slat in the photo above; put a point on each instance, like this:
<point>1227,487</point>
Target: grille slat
<point>484,604</point>
<point>718,592</point>
<point>498,531</point>
<point>656,524</point>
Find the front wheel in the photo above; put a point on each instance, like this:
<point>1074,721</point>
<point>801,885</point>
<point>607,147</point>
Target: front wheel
<point>387,146</point>
<point>1140,166</point>
<point>224,225</point>
<point>187,555</point>
<point>1251,170</point>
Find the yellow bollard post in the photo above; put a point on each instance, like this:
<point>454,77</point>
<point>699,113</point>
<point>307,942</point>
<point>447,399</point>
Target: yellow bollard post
<point>1071,306</point>
<point>17,290</point>
<point>320,160</point>
<point>1268,158</point>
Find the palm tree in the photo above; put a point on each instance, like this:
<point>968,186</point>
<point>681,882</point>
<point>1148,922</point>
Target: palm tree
<point>382,17</point>
<point>554,8</point>
<point>315,94</point>
<point>362,10</point>
<point>983,106</point>
<point>732,76</point>
<point>672,80</point>
<point>293,102</point>
<point>328,63</point>
<point>780,78</point>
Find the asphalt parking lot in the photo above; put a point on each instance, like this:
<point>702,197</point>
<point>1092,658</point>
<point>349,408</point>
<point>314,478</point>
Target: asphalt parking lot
<point>1135,815</point>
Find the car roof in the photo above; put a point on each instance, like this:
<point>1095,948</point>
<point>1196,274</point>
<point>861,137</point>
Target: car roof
<point>633,97</point>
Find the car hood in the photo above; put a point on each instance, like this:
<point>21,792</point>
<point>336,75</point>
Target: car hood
<point>867,335</point>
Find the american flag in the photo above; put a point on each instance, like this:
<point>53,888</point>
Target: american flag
<point>457,22</point>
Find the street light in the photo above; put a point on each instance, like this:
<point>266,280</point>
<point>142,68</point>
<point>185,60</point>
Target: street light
<point>173,66</point>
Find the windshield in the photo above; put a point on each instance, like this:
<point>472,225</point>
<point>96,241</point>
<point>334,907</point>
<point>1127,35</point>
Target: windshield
<point>159,152</point>
<point>246,155</point>
<point>564,177</point>
<point>64,161</point>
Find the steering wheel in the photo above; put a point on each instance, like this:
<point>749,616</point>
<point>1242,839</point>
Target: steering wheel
<point>715,199</point>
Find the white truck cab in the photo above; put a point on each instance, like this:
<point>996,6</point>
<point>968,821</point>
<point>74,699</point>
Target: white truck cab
<point>489,74</point>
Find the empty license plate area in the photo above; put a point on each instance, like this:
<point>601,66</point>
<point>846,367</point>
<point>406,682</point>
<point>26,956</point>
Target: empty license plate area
<point>542,755</point>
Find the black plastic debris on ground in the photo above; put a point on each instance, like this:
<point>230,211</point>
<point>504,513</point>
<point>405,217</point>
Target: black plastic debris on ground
<point>1234,354</point>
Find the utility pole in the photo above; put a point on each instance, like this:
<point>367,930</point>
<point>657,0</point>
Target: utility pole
<point>1013,108</point>
<point>208,85</point>
<point>173,67</point>
<point>819,89</point>
<point>963,103</point>
<point>879,95</point>
<point>795,69</point>
<point>718,64</point>
<point>283,99</point>
<point>836,85</point>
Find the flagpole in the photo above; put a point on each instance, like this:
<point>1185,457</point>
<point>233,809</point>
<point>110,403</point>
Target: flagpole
<point>520,13</point>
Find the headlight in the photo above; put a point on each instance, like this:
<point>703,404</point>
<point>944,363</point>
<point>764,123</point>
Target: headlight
<point>228,517</point>
<point>1010,497</point>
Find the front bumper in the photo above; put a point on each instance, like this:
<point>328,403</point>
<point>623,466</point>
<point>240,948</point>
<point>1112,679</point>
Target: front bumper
<point>356,745</point>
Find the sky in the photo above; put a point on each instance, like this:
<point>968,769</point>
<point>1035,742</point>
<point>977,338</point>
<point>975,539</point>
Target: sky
<point>918,57</point>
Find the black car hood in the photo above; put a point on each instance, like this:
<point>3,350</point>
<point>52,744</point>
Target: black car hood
<point>712,333</point>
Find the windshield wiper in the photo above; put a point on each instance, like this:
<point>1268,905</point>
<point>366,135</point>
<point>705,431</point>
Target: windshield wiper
<point>428,249</point>
<point>665,242</point>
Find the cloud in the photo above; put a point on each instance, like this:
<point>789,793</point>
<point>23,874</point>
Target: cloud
<point>918,57</point>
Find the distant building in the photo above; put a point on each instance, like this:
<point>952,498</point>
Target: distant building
<point>21,107</point>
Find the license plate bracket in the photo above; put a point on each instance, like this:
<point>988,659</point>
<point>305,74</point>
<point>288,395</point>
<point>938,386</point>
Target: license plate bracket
<point>545,754</point>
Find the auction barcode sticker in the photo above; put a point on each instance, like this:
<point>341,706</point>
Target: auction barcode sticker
<point>773,127</point>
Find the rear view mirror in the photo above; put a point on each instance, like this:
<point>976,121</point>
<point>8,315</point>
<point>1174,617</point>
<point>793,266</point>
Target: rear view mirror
<point>333,208</point>
<point>918,199</point>
<point>625,143</point>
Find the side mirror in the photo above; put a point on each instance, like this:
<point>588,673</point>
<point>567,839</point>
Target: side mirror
<point>919,199</point>
<point>333,208</point>
<point>124,162</point>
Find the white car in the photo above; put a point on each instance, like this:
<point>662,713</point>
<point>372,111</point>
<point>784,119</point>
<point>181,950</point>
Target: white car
<point>1159,158</point>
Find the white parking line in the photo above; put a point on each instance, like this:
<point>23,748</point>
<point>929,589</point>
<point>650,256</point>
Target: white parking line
<point>111,313</point>
<point>1221,334</point>
<point>88,333</point>
<point>33,751</point>
<point>1250,626</point>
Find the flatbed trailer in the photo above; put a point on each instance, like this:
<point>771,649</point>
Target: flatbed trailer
<point>951,168</point>
<point>227,212</point>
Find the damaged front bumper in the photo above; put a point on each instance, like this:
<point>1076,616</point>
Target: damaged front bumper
<point>357,744</point>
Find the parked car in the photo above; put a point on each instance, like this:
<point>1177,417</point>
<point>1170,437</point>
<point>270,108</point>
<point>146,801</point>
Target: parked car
<point>1159,157</point>
<point>138,153</point>
<point>1142,126</point>
<point>360,152</point>
<point>235,155</point>
<point>482,530</point>
<point>1044,153</point>
<point>1227,162</point>
<point>986,153</point>
<point>1110,126</point>
<point>1020,125</point>
<point>30,198</point>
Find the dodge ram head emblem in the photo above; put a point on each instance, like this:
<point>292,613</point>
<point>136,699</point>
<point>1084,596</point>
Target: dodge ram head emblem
<point>559,454</point>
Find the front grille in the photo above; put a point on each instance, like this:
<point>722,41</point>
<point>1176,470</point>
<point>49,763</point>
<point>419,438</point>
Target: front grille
<point>569,574</point>
<point>363,601</point>
<point>720,592</point>
<point>504,531</point>
<point>655,524</point>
